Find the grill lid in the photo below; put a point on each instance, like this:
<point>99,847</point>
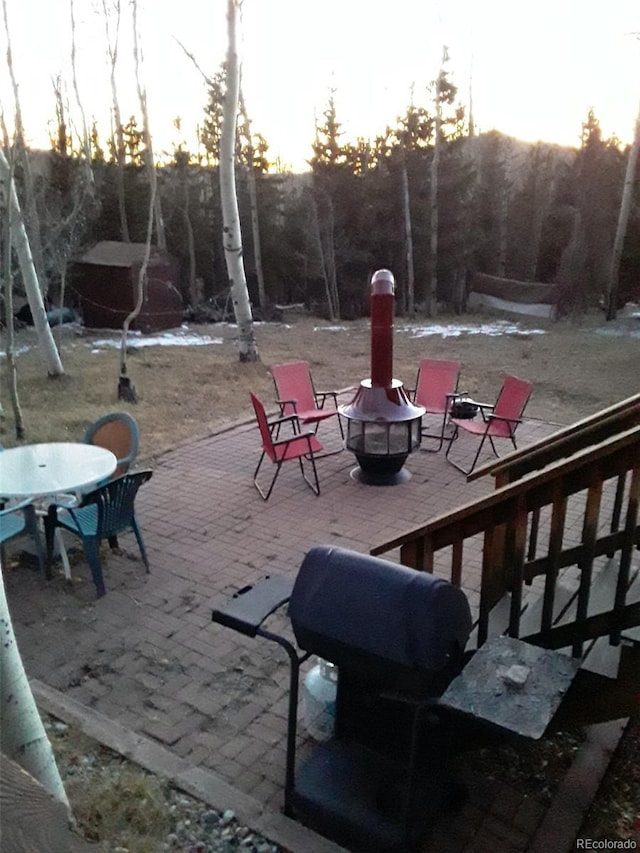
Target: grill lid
<point>396,613</point>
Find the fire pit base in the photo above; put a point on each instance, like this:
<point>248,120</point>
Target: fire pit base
<point>369,479</point>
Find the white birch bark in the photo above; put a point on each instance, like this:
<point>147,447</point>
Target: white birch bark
<point>435,169</point>
<point>11,371</point>
<point>22,734</point>
<point>623,221</point>
<point>253,199</point>
<point>125,389</point>
<point>118,137</point>
<point>33,220</point>
<point>20,240</point>
<point>503,228</point>
<point>408,241</point>
<point>231,234</point>
<point>161,240</point>
<point>86,143</point>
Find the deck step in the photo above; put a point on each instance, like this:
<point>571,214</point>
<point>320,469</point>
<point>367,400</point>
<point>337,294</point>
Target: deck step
<point>601,595</point>
<point>498,622</point>
<point>632,635</point>
<point>565,592</point>
<point>599,655</point>
<point>602,658</point>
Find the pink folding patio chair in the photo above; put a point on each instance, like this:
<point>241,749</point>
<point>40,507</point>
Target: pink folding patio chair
<point>497,421</point>
<point>296,394</point>
<point>300,445</point>
<point>436,386</point>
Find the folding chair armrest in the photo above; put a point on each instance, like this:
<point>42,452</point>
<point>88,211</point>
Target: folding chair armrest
<point>283,402</point>
<point>308,434</point>
<point>321,398</point>
<point>491,416</point>
<point>283,420</point>
<point>486,410</point>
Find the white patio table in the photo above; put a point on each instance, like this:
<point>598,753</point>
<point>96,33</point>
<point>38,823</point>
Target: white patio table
<point>44,471</point>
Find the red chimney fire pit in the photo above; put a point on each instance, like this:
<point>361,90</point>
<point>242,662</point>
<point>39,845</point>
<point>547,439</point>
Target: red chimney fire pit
<point>383,425</point>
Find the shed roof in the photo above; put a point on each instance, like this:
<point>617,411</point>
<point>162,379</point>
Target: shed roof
<point>111,253</point>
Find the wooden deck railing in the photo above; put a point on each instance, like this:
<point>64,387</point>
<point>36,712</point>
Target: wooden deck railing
<point>565,442</point>
<point>588,432</point>
<point>503,519</point>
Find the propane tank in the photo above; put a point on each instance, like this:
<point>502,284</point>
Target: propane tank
<point>319,700</point>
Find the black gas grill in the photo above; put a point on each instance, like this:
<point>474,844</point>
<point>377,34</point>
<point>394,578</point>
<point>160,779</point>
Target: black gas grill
<point>397,637</point>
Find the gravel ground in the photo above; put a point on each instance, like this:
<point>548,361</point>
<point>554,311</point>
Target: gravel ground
<point>128,810</point>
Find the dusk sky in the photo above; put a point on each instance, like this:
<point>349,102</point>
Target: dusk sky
<point>536,67</point>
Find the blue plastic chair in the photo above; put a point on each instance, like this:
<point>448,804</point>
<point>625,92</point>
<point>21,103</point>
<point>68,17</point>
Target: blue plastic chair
<point>119,433</point>
<point>102,514</point>
<point>18,520</point>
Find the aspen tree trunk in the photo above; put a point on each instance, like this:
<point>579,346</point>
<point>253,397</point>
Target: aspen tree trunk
<point>623,221</point>
<point>503,232</point>
<point>22,734</point>
<point>161,240</point>
<point>408,238</point>
<point>86,142</point>
<point>118,137</point>
<point>12,376</point>
<point>435,167</point>
<point>321,256</point>
<point>231,234</point>
<point>253,200</point>
<point>32,218</point>
<point>126,391</point>
<point>20,242</point>
<point>191,243</point>
<point>330,255</point>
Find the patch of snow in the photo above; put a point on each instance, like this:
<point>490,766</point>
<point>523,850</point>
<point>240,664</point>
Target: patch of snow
<point>179,338</point>
<point>17,351</point>
<point>455,330</point>
<point>619,331</point>
<point>329,328</point>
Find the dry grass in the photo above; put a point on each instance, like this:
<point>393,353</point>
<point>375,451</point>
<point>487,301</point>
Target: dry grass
<point>186,392</point>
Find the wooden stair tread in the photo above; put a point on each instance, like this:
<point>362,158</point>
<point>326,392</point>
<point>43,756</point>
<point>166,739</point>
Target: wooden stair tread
<point>599,655</point>
<point>632,635</point>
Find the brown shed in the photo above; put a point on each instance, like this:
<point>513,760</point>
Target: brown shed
<point>106,282</point>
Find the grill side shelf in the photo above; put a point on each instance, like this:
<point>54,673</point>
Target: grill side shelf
<point>250,606</point>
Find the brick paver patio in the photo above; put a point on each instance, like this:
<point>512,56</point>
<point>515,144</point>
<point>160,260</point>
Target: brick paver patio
<point>148,655</point>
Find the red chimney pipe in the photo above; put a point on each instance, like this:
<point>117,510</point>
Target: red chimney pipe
<point>382,303</point>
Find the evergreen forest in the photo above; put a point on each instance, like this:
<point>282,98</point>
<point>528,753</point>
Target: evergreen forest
<point>428,198</point>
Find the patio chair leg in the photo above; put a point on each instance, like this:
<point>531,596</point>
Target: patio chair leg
<point>140,541</point>
<point>34,529</point>
<point>49,531</point>
<point>466,472</point>
<point>92,553</point>
<point>265,495</point>
<point>63,554</point>
<point>315,486</point>
<point>441,438</point>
